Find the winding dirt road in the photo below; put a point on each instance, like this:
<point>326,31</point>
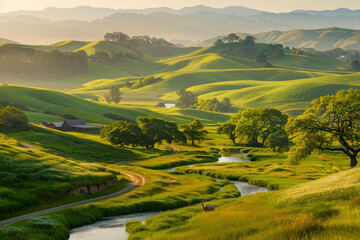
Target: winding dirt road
<point>136,180</point>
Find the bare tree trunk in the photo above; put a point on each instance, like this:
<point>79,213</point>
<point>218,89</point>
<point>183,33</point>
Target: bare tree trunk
<point>353,160</point>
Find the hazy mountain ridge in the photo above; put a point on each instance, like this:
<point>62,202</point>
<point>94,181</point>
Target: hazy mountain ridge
<point>193,23</point>
<point>86,13</point>
<point>319,39</point>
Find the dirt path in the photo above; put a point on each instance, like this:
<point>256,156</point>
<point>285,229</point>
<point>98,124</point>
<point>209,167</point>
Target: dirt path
<point>25,145</point>
<point>175,151</point>
<point>136,180</point>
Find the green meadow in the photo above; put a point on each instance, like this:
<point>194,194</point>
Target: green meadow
<point>318,199</point>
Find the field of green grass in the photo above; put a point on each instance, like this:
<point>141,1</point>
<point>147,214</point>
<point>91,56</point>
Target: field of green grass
<point>327,208</point>
<point>42,100</point>
<point>35,179</point>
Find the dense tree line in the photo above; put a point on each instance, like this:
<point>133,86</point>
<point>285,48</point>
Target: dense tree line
<point>146,132</point>
<point>245,48</point>
<point>30,63</point>
<point>215,105</point>
<point>136,42</point>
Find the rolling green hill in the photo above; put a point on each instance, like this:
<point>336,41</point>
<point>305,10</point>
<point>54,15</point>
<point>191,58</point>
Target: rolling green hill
<point>292,96</point>
<point>42,100</point>
<point>319,39</point>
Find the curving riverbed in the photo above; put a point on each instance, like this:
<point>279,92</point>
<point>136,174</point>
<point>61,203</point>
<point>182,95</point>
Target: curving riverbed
<point>114,228</point>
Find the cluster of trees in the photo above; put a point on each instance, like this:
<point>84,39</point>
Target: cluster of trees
<point>257,127</point>
<point>331,123</point>
<point>144,82</point>
<point>150,130</point>
<point>186,98</point>
<point>215,105</point>
<point>136,42</point>
<point>29,63</point>
<point>246,48</point>
<point>114,95</point>
<point>13,118</point>
<point>233,37</point>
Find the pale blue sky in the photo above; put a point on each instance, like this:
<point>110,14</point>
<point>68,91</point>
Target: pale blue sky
<point>268,5</point>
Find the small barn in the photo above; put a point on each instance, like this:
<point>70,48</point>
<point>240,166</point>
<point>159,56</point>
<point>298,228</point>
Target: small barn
<point>73,125</point>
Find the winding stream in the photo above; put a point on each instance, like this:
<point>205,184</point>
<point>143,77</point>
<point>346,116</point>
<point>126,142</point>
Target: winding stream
<point>114,228</point>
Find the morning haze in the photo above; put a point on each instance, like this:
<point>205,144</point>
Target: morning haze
<point>201,120</point>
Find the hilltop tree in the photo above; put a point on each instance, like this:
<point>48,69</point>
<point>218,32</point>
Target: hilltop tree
<point>186,98</point>
<point>229,129</point>
<point>261,58</point>
<point>12,117</point>
<point>331,120</point>
<point>194,131</point>
<point>250,40</point>
<point>232,37</point>
<point>258,123</point>
<point>115,94</point>
<point>219,42</point>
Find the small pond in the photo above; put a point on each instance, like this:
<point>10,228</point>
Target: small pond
<point>169,105</point>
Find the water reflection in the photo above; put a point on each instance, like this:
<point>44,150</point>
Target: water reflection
<point>169,105</point>
<point>239,157</point>
<point>109,229</point>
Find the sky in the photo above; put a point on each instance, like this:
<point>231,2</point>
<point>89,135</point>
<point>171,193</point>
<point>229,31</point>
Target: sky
<point>266,5</point>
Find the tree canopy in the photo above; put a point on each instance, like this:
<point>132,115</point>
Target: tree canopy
<point>256,124</point>
<point>146,132</point>
<point>331,123</point>
<point>215,105</point>
<point>13,118</point>
<point>186,98</point>
<point>194,131</point>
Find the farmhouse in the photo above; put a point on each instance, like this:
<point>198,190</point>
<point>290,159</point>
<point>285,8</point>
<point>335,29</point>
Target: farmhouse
<point>73,125</point>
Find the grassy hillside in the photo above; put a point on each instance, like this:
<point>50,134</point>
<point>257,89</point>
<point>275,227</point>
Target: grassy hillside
<point>320,39</point>
<point>41,100</point>
<point>292,96</point>
<point>36,179</point>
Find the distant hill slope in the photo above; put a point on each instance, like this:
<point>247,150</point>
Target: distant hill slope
<point>3,40</point>
<point>319,39</point>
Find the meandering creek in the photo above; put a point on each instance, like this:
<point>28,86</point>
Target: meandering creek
<point>114,228</point>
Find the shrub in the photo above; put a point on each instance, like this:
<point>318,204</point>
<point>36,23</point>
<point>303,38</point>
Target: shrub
<point>12,117</point>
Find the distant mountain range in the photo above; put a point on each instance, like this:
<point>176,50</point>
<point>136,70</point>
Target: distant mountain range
<point>319,39</point>
<point>191,23</point>
<point>86,13</point>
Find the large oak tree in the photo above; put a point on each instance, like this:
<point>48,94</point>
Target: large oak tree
<point>331,123</point>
